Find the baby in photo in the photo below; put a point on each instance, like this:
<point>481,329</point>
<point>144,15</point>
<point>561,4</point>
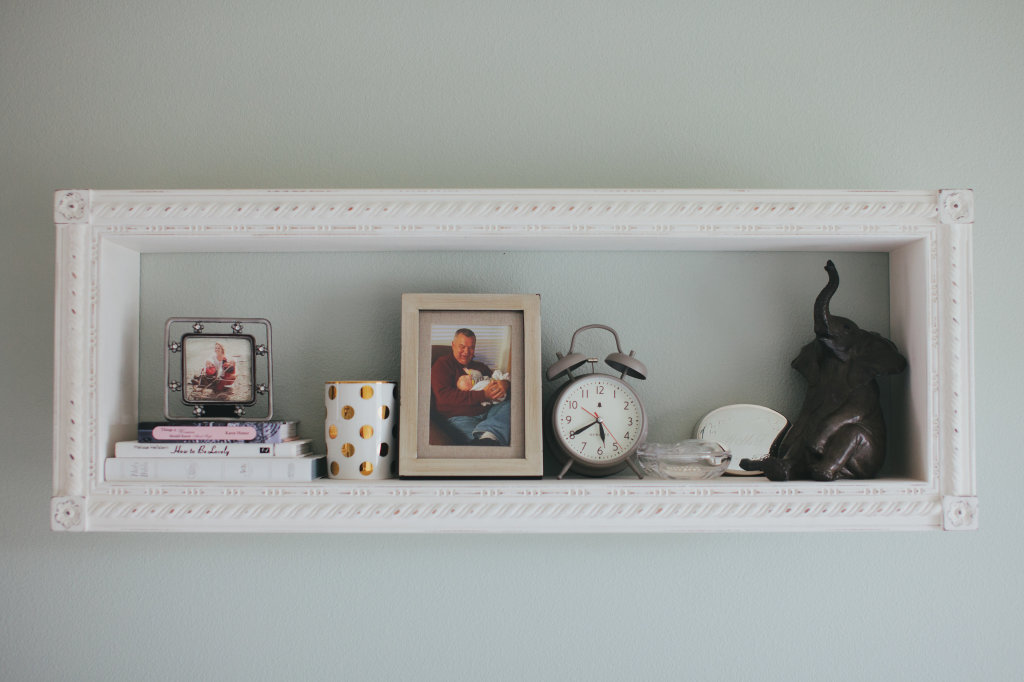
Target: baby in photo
<point>474,380</point>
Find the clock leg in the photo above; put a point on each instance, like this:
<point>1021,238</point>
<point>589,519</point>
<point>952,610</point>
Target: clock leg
<point>634,467</point>
<point>565,469</point>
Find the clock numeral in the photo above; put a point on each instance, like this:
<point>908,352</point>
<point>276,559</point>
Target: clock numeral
<point>629,422</point>
<point>568,419</point>
<point>599,390</point>
<point>600,451</point>
<point>573,405</point>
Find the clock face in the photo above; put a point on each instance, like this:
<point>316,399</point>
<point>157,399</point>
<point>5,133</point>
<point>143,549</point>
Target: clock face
<point>599,419</point>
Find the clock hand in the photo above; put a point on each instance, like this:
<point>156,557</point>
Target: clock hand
<point>598,421</point>
<point>583,428</point>
<point>603,430</point>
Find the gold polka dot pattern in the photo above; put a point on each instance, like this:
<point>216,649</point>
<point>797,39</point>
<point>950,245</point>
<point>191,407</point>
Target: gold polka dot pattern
<point>361,429</point>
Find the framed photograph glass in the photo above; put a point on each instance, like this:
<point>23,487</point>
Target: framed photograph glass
<point>217,369</point>
<point>471,396</point>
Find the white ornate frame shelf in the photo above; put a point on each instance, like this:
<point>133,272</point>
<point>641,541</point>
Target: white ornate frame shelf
<point>101,234</point>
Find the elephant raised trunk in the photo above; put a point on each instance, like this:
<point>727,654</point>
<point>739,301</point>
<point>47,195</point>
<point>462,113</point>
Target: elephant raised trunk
<point>822,316</point>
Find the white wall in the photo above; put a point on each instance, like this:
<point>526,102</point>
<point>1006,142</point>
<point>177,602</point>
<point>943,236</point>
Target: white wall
<point>789,94</point>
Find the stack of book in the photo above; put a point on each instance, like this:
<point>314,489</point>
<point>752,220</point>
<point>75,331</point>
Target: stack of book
<point>269,451</point>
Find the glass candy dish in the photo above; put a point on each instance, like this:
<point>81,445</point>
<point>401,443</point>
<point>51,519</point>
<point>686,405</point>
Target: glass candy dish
<point>685,460</point>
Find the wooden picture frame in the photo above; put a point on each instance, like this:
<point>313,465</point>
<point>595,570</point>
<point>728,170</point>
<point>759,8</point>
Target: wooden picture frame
<point>498,336</point>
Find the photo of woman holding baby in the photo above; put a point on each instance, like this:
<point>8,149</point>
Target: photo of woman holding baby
<point>217,369</point>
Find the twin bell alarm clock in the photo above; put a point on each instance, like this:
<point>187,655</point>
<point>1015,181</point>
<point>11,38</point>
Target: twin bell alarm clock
<point>597,419</point>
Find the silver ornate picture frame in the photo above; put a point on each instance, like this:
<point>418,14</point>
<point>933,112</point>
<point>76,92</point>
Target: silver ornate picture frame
<point>218,369</point>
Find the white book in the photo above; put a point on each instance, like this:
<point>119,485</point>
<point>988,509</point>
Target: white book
<point>214,469</point>
<point>290,448</point>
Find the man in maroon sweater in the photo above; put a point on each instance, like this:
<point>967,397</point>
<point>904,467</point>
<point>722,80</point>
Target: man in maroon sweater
<point>482,417</point>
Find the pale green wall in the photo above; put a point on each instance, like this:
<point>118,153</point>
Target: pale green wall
<point>786,94</point>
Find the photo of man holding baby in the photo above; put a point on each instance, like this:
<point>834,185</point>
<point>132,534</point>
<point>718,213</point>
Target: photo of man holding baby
<point>468,394</point>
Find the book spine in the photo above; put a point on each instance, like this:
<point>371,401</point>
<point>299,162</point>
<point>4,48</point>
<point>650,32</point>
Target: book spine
<point>213,450</point>
<point>256,432</point>
<point>202,469</point>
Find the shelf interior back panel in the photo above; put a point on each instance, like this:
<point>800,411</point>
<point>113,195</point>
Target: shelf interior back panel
<point>713,328</point>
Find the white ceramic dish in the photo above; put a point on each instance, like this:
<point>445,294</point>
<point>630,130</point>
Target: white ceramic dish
<point>746,431</point>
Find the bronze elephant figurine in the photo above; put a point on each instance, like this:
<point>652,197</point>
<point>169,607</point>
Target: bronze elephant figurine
<point>840,431</point>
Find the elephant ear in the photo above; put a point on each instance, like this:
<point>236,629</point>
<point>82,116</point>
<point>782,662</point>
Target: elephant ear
<point>808,362</point>
<point>874,355</point>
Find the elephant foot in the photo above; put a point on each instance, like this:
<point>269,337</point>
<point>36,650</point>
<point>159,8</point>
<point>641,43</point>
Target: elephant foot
<point>854,453</point>
<point>820,473</point>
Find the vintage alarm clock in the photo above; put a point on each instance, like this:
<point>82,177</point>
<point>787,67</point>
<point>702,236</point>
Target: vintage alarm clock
<point>597,420</point>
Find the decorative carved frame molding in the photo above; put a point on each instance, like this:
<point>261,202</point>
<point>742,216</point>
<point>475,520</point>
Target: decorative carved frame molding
<point>100,235</point>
